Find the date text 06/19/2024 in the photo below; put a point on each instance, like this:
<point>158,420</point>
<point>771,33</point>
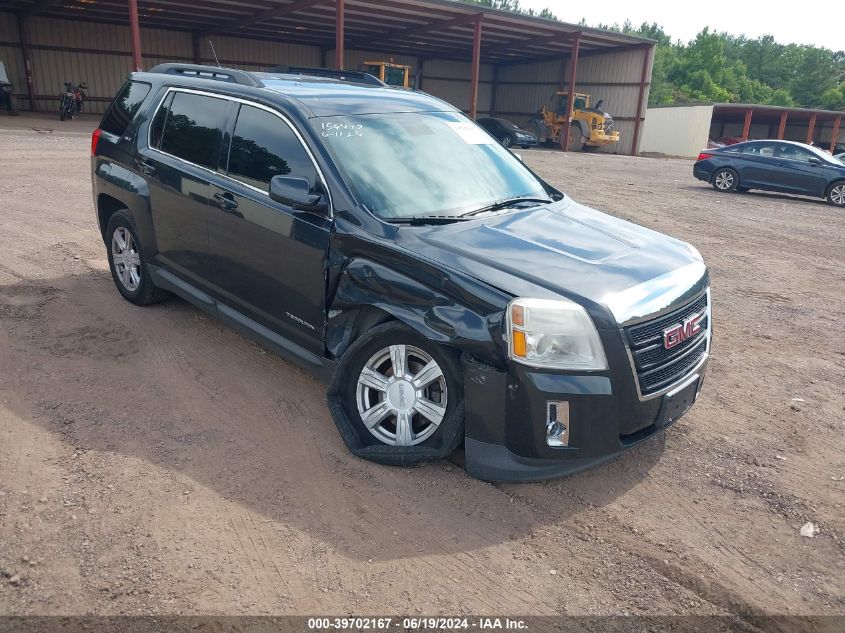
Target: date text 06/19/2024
<point>415,624</point>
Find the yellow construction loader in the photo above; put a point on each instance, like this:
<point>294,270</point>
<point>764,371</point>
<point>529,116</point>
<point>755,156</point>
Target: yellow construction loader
<point>390,73</point>
<point>589,129</point>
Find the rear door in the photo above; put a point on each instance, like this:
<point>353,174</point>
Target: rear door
<point>269,258</point>
<point>179,163</point>
<point>758,167</point>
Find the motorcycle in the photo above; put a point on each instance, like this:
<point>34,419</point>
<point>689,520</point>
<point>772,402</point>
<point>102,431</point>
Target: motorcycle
<point>6,92</point>
<point>71,100</point>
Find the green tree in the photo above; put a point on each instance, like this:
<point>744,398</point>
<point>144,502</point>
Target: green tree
<point>732,68</point>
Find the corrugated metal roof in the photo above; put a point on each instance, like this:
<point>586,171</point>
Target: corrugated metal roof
<point>432,28</point>
<point>740,108</point>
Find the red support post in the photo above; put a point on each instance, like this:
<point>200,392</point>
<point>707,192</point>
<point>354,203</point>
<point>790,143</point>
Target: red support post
<point>746,126</point>
<point>811,128</point>
<point>835,134</point>
<point>476,68</point>
<point>635,142</point>
<point>782,126</point>
<point>135,32</point>
<point>23,32</point>
<point>570,102</point>
<point>340,34</point>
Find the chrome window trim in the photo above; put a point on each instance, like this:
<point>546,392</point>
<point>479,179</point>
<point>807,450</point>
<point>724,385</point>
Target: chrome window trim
<point>253,104</point>
<point>687,377</point>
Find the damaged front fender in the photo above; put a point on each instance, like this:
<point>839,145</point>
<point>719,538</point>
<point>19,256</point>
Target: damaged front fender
<point>440,307</point>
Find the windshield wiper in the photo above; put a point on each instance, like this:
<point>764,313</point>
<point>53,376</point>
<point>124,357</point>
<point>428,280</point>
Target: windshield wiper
<point>418,220</point>
<point>506,204</point>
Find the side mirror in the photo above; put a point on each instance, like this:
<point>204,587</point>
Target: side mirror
<point>815,162</point>
<point>519,156</point>
<point>296,193</point>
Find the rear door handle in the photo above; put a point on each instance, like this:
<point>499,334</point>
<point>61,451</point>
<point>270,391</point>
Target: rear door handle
<point>226,201</point>
<point>145,167</point>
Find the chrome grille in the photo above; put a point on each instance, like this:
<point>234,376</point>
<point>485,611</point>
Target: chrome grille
<point>657,367</point>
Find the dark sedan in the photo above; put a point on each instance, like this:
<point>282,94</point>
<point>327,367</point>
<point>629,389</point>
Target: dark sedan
<point>783,166</point>
<point>508,133</point>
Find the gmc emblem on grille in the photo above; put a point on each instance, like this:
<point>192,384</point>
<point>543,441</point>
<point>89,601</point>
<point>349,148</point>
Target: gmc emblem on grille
<point>680,332</point>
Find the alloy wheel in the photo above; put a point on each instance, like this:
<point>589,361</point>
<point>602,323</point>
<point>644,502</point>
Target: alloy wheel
<point>837,195</point>
<point>724,180</point>
<point>401,395</point>
<point>126,259</point>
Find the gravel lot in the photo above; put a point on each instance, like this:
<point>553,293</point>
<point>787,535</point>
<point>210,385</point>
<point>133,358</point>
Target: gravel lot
<point>155,462</point>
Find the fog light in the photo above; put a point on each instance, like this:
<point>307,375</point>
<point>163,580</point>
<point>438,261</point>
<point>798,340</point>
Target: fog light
<point>557,423</point>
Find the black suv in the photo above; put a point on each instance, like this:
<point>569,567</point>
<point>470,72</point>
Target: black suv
<point>382,239</point>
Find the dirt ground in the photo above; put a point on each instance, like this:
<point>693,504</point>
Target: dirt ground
<point>153,461</point>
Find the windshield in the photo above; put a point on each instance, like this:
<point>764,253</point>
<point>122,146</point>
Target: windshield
<point>404,165</point>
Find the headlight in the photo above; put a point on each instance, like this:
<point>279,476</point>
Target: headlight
<point>556,334</point>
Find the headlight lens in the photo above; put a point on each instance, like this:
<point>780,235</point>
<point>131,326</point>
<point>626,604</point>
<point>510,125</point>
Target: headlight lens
<point>557,334</point>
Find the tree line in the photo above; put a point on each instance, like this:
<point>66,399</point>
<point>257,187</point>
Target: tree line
<point>720,67</point>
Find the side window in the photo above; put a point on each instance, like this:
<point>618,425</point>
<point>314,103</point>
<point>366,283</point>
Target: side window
<point>157,126</point>
<point>124,107</point>
<point>790,152</point>
<point>760,149</point>
<point>264,146</point>
<point>192,128</point>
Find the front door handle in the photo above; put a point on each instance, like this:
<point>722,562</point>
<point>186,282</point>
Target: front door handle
<point>226,201</point>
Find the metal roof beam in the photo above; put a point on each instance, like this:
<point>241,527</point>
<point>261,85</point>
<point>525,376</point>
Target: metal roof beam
<point>263,16</point>
<point>440,25</point>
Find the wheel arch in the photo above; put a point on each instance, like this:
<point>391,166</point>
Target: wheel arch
<point>832,184</point>
<point>361,302</point>
<point>107,206</point>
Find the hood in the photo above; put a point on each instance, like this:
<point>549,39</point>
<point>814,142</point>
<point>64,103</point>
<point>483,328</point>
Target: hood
<point>618,270</point>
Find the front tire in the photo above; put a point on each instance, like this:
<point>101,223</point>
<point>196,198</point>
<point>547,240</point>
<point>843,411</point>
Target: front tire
<point>576,139</point>
<point>126,262</point>
<point>836,194</point>
<point>397,397</point>
<point>725,180</point>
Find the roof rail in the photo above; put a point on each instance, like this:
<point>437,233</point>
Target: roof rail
<point>343,75</point>
<point>231,75</point>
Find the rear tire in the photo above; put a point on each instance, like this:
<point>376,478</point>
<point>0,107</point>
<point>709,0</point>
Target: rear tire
<point>836,194</point>
<point>126,262</point>
<point>725,180</point>
<point>413,414</point>
<point>506,141</point>
<point>534,127</point>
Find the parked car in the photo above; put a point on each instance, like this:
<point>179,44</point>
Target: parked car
<point>508,133</point>
<point>784,166</point>
<point>446,293</point>
<point>723,141</point>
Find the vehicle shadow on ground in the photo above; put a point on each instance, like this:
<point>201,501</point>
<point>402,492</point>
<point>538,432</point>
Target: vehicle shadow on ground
<point>210,412</point>
<point>760,195</point>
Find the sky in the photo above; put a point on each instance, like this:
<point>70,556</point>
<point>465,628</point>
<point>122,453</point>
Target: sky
<point>818,22</point>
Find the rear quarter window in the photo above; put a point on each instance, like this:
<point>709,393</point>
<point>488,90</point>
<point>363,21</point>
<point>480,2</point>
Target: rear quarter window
<point>124,107</point>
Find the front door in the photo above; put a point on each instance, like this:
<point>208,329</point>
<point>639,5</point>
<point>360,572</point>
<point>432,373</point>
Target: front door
<point>269,258</point>
<point>185,140</point>
<point>802,173</point>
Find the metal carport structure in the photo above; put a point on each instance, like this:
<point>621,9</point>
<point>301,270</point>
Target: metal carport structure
<point>511,56</point>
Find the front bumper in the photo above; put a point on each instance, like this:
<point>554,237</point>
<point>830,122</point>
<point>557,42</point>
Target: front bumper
<point>507,414</point>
